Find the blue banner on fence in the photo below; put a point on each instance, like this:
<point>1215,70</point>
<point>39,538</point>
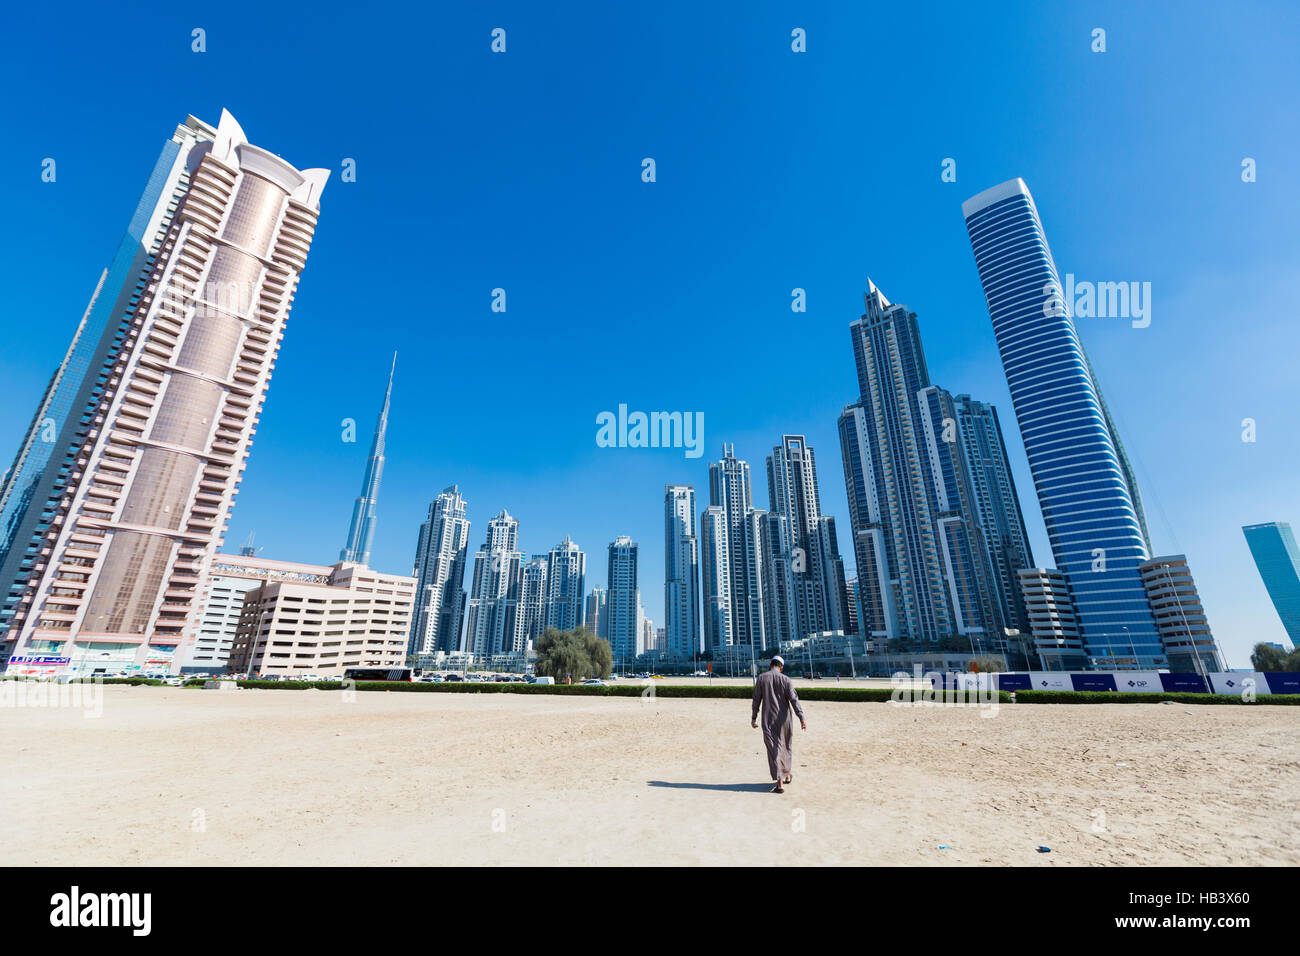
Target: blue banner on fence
<point>1014,682</point>
<point>1183,683</point>
<point>1283,682</point>
<point>1093,681</point>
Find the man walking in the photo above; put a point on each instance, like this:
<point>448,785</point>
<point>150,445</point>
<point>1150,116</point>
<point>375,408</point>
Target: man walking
<point>774,692</point>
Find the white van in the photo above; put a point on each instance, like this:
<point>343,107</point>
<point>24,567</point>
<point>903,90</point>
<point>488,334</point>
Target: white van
<point>543,680</point>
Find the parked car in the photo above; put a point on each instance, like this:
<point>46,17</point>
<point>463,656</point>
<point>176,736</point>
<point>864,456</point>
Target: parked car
<point>594,682</point>
<point>454,679</point>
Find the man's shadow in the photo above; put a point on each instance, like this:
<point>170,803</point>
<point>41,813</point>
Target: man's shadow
<point>733,787</point>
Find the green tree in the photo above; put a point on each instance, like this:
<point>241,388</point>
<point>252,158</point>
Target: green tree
<point>598,651</point>
<point>1267,658</point>
<point>572,655</point>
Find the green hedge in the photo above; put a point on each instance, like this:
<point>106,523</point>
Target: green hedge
<point>133,681</point>
<point>733,692</point>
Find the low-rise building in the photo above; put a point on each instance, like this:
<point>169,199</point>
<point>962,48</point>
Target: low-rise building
<point>230,578</point>
<point>358,618</point>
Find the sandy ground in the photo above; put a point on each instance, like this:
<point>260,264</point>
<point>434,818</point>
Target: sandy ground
<point>189,777</point>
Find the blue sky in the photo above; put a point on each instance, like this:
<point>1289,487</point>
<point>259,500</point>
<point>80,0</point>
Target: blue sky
<point>775,170</point>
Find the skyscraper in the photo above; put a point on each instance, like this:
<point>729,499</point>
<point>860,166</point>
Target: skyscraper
<point>715,575</point>
<point>532,598</point>
<point>681,572</point>
<point>997,505</point>
<point>922,567</point>
<point>1273,547</point>
<point>594,617</point>
<point>361,532</point>
<point>814,567</point>
<point>440,556</point>
<point>492,622</point>
<point>772,537</point>
<point>566,582</point>
<point>730,490</point>
<point>1085,486</point>
<point>44,462</point>
<point>111,530</point>
<point>623,603</point>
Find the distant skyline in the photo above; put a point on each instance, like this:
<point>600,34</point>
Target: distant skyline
<point>522,171</point>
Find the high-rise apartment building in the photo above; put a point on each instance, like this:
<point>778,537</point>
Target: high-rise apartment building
<point>715,579</point>
<point>997,505</point>
<point>814,568</point>
<point>594,617</point>
<point>110,532</point>
<point>492,622</point>
<point>623,602</point>
<point>532,598</point>
<point>1273,547</point>
<point>730,489</point>
<point>681,571</point>
<point>440,558</point>
<point>566,585</point>
<point>923,570</point>
<point>1086,488</point>
<point>361,531</point>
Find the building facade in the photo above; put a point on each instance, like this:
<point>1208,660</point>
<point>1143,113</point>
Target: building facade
<point>1086,489</point>
<point>813,567</point>
<point>492,621</point>
<point>1273,546</point>
<point>743,610</point>
<point>121,543</point>
<point>566,585</point>
<point>1180,617</point>
<point>533,580</point>
<point>440,558</point>
<point>997,505</point>
<point>923,570</point>
<point>594,617</point>
<point>681,572</point>
<point>360,618</point>
<point>1053,625</point>
<point>230,578</point>
<point>361,530</point>
<point>622,620</point>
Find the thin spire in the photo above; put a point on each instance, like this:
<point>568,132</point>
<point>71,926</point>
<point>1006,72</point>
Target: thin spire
<point>362,530</point>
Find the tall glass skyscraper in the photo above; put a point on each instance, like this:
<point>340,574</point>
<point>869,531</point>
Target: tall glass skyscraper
<point>681,572</point>
<point>110,532</point>
<point>492,621</point>
<point>33,485</point>
<point>997,504</point>
<point>738,550</point>
<point>923,570</point>
<point>1273,547</point>
<point>566,582</point>
<point>361,531</point>
<point>440,556</point>
<point>1084,485</point>
<point>622,622</point>
<point>813,568</point>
